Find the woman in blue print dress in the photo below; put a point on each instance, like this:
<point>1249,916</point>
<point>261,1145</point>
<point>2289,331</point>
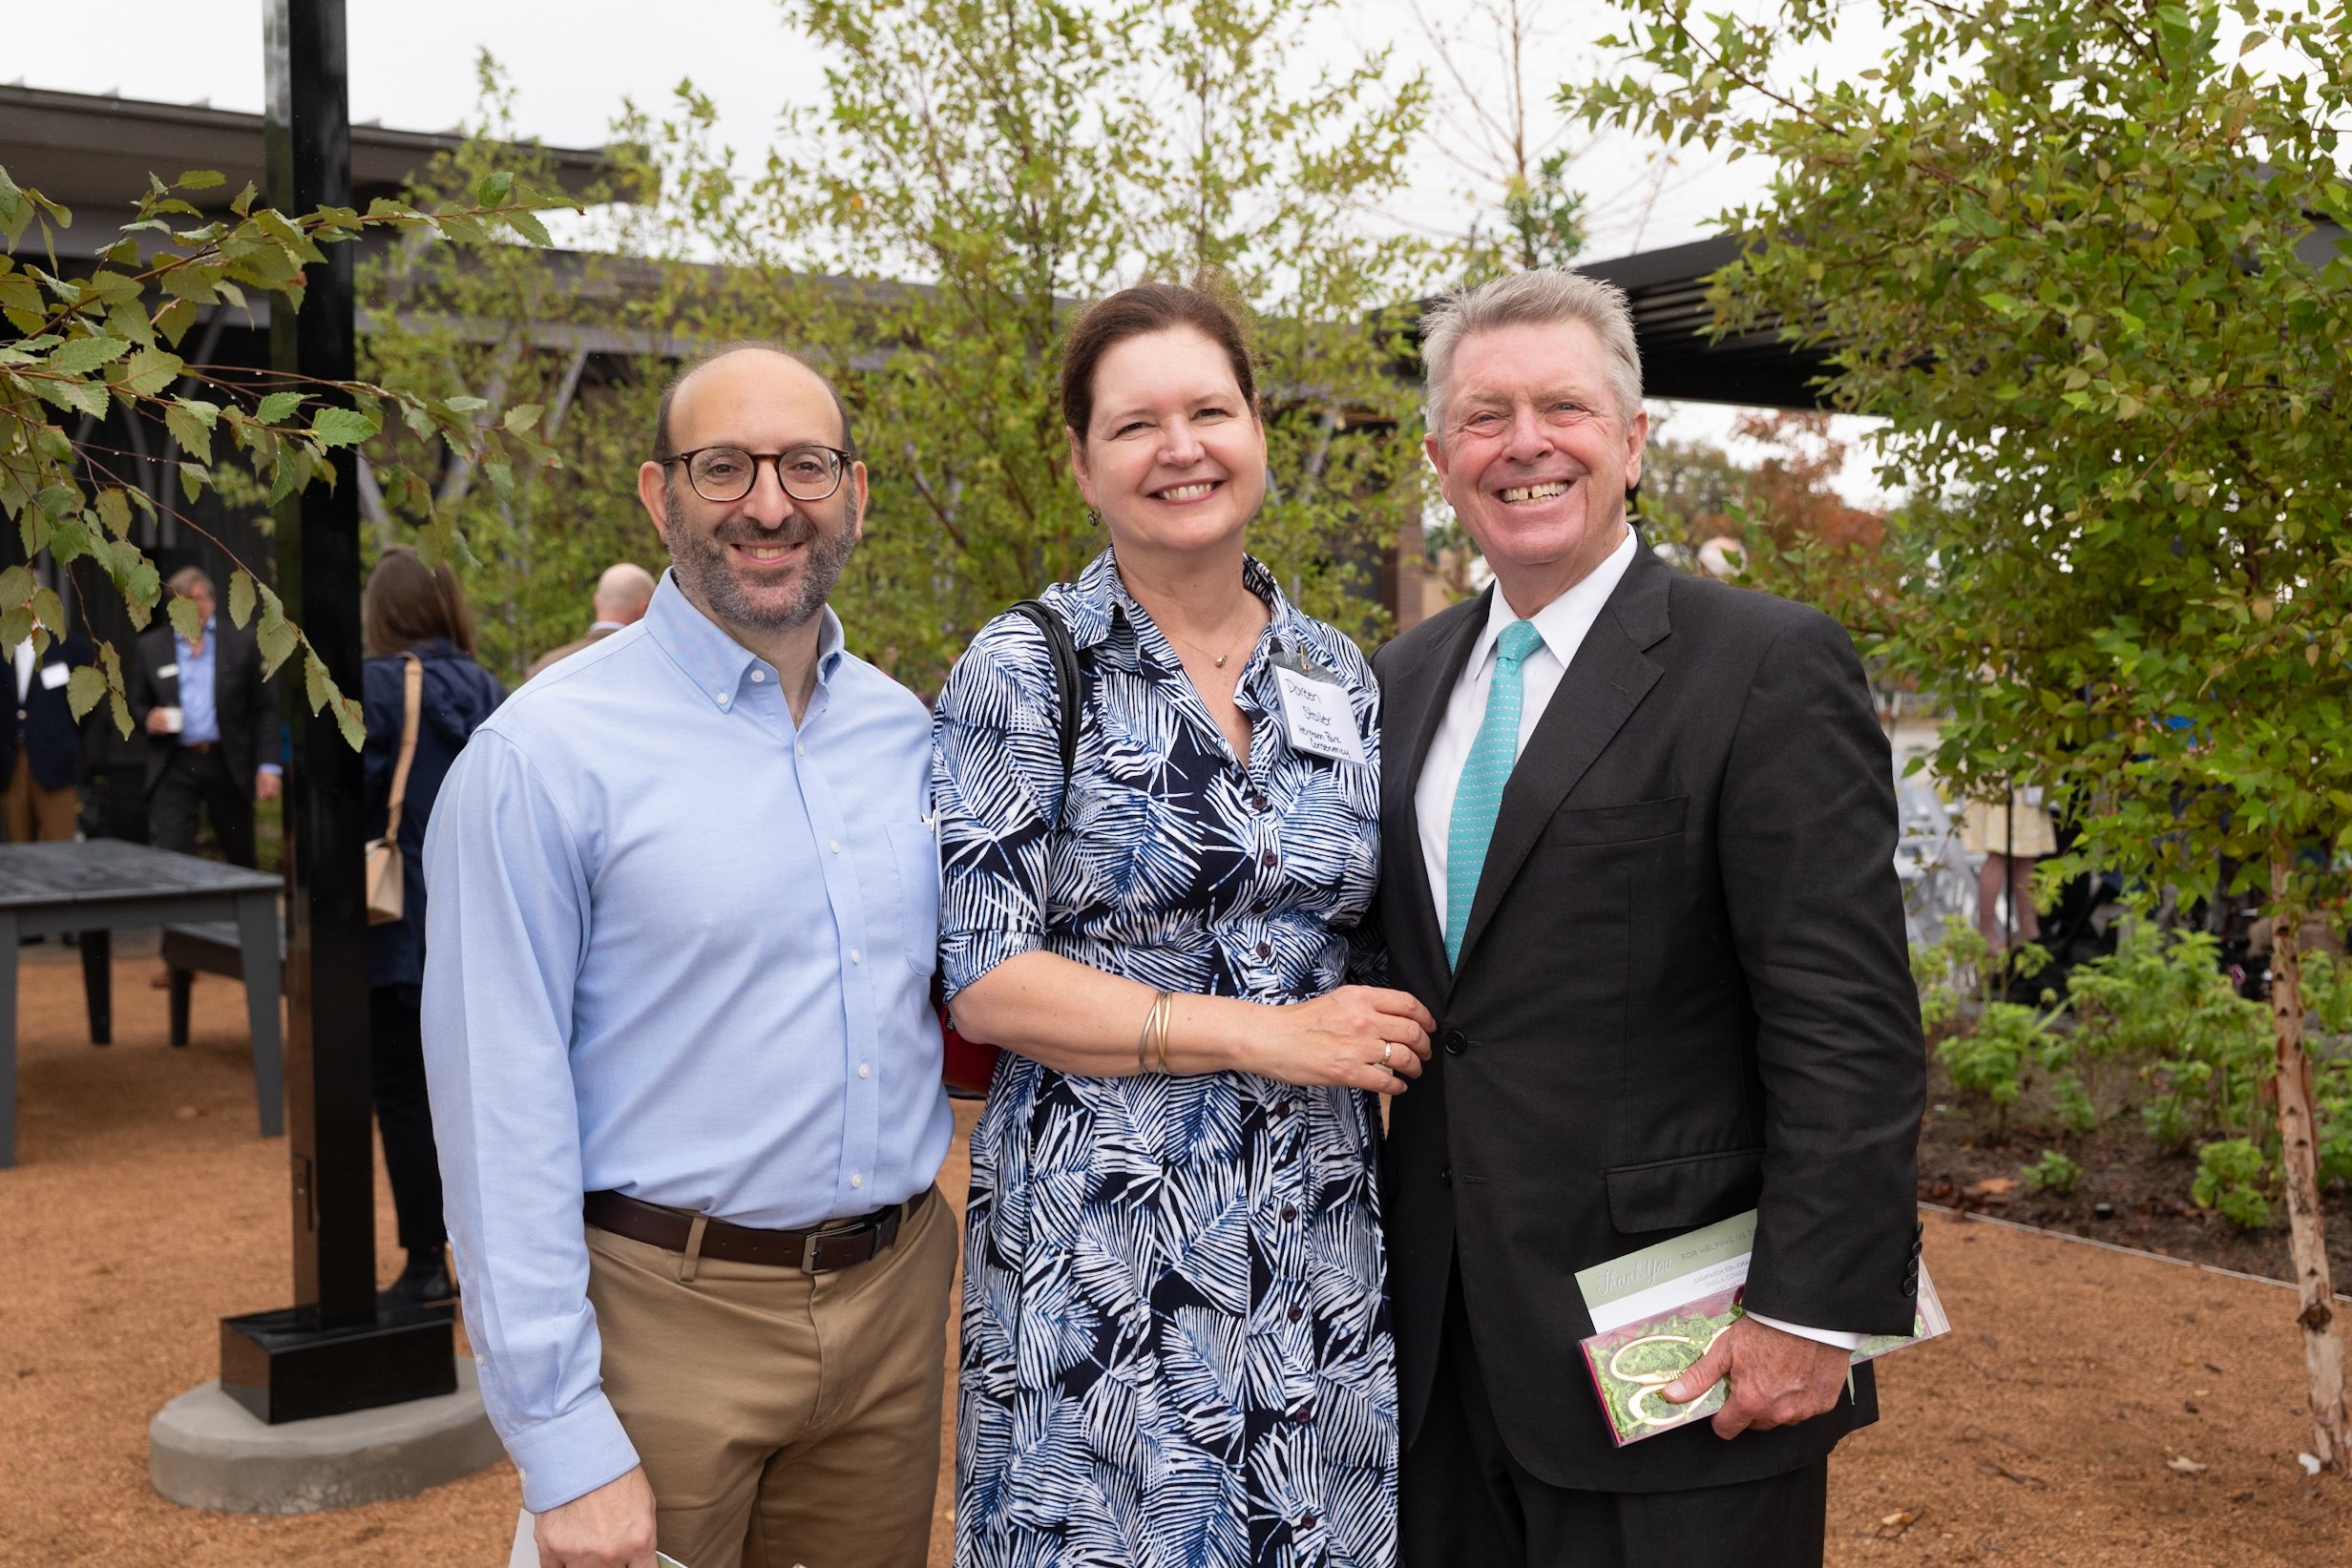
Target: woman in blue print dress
<point>1176,1349</point>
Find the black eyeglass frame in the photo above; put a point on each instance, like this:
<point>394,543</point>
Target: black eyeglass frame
<point>775,460</point>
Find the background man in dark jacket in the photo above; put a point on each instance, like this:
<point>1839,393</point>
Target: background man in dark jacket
<point>1638,859</point>
<point>211,723</point>
<point>41,747</point>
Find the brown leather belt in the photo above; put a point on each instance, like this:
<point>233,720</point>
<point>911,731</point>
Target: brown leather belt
<point>200,745</point>
<point>818,1252</point>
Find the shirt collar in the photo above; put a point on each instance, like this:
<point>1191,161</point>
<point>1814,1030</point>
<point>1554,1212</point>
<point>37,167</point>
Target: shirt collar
<point>713,660</point>
<point>1098,601</point>
<point>1562,624</point>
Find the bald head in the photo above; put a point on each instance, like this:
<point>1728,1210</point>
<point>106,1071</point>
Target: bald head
<point>623,592</point>
<point>664,441</point>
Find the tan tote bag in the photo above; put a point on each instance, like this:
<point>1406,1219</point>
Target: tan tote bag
<point>387,879</point>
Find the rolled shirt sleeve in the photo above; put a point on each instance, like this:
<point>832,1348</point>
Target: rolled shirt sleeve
<point>505,932</point>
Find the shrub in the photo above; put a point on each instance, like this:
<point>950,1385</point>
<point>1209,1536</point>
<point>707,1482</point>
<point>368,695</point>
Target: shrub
<point>2164,1006</point>
<point>2230,1174</point>
<point>1993,1062</point>
<point>2054,1173</point>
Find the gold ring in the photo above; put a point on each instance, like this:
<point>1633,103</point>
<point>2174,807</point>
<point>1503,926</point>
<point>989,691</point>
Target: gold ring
<point>1388,1049</point>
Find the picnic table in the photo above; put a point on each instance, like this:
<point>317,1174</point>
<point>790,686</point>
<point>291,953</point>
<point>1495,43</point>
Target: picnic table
<point>102,885</point>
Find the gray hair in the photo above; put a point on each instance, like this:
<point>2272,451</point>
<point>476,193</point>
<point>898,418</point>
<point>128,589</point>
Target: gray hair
<point>1540,298</point>
<point>183,581</point>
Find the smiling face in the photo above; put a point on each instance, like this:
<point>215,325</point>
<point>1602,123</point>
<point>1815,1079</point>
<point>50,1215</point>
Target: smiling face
<point>1173,457</point>
<point>764,564</point>
<point>1534,456</point>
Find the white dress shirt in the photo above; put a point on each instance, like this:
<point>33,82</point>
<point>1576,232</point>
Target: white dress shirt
<point>26,659</point>
<point>1562,625</point>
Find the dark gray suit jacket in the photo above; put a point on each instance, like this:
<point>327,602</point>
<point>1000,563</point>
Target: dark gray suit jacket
<point>1684,992</point>
<point>246,705</point>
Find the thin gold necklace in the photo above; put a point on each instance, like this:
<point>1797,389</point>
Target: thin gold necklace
<point>1204,652</point>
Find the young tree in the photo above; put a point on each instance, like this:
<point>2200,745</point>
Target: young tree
<point>977,173</point>
<point>521,328</point>
<point>104,339</point>
<point>2083,258</point>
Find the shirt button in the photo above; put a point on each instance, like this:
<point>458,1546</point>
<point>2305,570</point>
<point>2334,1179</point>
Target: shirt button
<point>856,957</point>
<point>1297,1313</point>
<point>1307,1521</point>
<point>1267,860</point>
<point>865,1070</point>
<point>834,844</point>
<point>757,676</point>
<point>856,1179</point>
<point>1290,1211</point>
<point>1259,803</point>
<point>799,750</point>
<point>1266,950</point>
<point>722,697</point>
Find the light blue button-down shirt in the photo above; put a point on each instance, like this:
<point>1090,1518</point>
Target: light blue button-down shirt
<point>679,947</point>
<point>200,707</point>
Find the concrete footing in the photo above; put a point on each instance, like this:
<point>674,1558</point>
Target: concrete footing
<point>207,1451</point>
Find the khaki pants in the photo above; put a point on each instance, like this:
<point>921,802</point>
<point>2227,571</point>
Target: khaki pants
<point>782,1418</point>
<point>29,814</point>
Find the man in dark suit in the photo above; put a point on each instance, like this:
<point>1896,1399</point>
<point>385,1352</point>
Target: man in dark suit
<point>1638,834</point>
<point>211,723</point>
<point>41,748</point>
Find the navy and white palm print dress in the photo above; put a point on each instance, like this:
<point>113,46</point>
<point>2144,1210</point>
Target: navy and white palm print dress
<point>1176,1348</point>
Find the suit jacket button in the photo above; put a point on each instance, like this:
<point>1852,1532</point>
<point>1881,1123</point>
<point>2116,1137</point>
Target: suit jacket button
<point>1445,1173</point>
<point>1455,1041</point>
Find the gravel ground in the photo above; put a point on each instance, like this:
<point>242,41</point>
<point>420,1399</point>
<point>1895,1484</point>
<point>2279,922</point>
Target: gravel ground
<point>2043,1430</point>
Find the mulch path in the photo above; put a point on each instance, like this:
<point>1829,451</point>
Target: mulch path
<point>143,1207</point>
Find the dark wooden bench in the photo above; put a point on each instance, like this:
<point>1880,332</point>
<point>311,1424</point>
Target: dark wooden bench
<point>211,946</point>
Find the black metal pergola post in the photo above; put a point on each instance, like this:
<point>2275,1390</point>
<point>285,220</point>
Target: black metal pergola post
<point>335,1350</point>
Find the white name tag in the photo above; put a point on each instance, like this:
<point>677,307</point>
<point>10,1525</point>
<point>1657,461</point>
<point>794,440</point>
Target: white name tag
<point>55,676</point>
<point>166,672</point>
<point>1318,716</point>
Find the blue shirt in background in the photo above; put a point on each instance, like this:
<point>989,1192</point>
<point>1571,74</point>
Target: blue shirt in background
<point>199,713</point>
<point>679,947</point>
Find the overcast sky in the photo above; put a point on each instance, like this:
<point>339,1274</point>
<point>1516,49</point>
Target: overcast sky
<point>571,62</point>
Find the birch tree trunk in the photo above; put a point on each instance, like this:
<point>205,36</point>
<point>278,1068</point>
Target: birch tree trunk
<point>2299,1165</point>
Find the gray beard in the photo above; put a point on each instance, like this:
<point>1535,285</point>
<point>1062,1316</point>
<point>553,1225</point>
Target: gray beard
<point>700,561</point>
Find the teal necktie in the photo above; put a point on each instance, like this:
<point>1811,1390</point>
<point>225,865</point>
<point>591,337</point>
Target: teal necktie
<point>1479,796</point>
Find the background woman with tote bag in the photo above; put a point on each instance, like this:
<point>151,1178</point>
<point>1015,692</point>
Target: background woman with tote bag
<point>420,640</point>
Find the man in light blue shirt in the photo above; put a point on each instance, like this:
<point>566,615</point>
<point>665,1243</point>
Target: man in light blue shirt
<point>685,901</point>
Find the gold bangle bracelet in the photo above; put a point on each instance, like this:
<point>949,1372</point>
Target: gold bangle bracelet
<point>1168,1023</point>
<point>1142,1042</point>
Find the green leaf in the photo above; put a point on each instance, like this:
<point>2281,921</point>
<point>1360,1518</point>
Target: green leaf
<point>113,508</point>
<point>242,597</point>
<point>186,618</point>
<point>343,427</point>
<point>493,189</point>
<point>190,429</point>
<point>83,355</point>
<point>86,397</point>
<point>15,626</point>
<point>83,689</point>
<point>200,179</point>
<point>315,682</point>
<point>149,371</point>
<point>277,407</point>
<point>523,416</point>
<point>526,222</point>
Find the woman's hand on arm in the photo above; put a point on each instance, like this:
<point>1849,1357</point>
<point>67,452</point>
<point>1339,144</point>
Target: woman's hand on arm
<point>1079,1021</point>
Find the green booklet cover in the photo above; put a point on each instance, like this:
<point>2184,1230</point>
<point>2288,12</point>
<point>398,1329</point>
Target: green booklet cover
<point>1655,1311</point>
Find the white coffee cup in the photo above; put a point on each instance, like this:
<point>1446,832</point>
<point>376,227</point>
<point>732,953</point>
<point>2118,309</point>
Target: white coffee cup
<point>172,719</point>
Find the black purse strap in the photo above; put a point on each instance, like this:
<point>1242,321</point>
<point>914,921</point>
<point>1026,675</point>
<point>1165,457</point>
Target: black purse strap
<point>1063,649</point>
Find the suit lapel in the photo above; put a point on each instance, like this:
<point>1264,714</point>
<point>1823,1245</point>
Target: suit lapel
<point>1422,699</point>
<point>1605,683</point>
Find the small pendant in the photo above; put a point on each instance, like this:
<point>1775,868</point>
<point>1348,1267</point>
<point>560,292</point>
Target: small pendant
<point>1220,659</point>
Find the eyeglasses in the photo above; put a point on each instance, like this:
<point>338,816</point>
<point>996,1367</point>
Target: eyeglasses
<point>728,473</point>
